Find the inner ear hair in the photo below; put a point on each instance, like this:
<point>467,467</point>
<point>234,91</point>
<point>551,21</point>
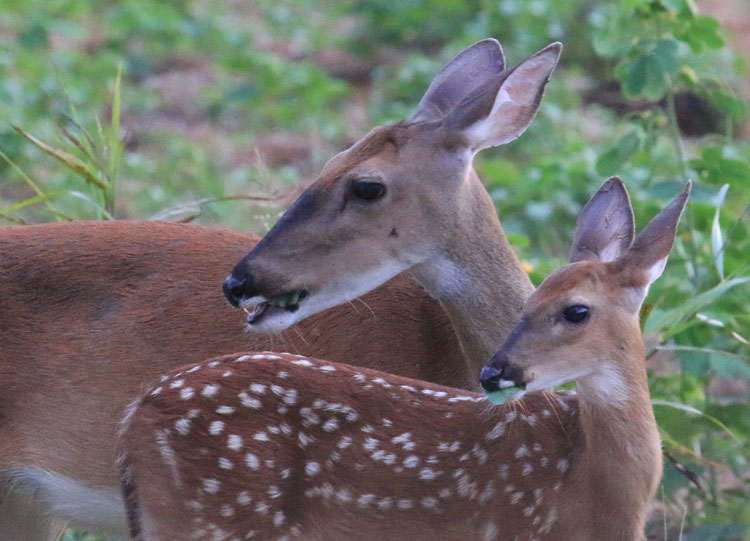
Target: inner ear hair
<point>652,246</point>
<point>605,226</point>
<point>459,77</point>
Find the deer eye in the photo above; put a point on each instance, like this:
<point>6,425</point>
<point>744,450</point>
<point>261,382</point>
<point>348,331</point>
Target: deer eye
<point>576,313</point>
<point>368,190</point>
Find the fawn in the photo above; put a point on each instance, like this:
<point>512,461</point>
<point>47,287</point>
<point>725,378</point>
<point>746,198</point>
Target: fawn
<point>279,446</point>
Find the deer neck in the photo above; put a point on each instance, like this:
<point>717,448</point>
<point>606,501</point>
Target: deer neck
<point>622,452</point>
<point>477,277</point>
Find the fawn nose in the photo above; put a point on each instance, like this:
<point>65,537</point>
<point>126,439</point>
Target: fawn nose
<point>489,377</point>
<point>235,289</point>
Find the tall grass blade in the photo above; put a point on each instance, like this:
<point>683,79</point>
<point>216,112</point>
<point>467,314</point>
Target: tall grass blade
<point>71,162</point>
<point>717,240</point>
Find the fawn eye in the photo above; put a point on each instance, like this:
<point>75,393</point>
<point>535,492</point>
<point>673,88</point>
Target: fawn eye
<point>576,313</point>
<point>368,190</point>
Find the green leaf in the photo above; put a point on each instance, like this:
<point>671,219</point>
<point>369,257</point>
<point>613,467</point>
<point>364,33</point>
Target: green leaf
<point>690,409</point>
<point>611,162</point>
<point>665,53</point>
<point>518,240</point>
<point>665,321</point>
<point>703,31</point>
<point>645,76</point>
<point>34,36</point>
<point>716,532</point>
<point>729,366</point>
<point>500,397</point>
<point>717,240</point>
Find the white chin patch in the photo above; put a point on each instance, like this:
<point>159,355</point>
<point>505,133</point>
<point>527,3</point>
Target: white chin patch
<point>339,292</point>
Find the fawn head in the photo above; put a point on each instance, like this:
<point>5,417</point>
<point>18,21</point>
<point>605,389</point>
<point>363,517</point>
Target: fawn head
<point>582,323</point>
<point>395,198</point>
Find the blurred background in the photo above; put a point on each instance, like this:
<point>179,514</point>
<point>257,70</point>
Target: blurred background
<point>220,112</point>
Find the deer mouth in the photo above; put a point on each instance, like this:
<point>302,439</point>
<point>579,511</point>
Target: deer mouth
<point>286,302</point>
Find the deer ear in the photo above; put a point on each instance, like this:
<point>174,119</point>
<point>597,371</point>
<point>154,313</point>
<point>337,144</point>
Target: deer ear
<point>501,108</point>
<point>605,227</point>
<point>459,77</point>
<point>644,262</point>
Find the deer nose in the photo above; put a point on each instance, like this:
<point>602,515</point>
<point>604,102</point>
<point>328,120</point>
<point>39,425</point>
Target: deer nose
<point>235,289</point>
<point>489,377</point>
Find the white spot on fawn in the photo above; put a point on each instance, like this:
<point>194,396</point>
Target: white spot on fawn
<point>176,384</point>
<point>411,461</point>
<point>427,474</point>
<point>257,388</point>
<point>365,499</point>
<point>187,393</point>
<point>312,468</point>
<point>225,410</point>
<point>211,486</point>
<point>234,442</point>
<point>249,401</point>
<point>182,426</point>
<point>210,390</point>
<point>216,428</point>
<point>252,461</point>
<point>370,444</point>
<point>330,425</point>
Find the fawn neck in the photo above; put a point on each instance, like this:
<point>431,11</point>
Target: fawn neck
<point>620,442</point>
<point>477,277</point>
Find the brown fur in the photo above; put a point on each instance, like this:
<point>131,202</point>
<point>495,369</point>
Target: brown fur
<point>89,312</point>
<point>485,482</point>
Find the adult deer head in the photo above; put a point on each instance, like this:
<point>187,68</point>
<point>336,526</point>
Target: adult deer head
<point>404,197</point>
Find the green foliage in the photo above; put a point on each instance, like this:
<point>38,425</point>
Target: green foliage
<point>203,83</point>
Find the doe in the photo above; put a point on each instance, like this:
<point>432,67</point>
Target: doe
<point>279,446</point>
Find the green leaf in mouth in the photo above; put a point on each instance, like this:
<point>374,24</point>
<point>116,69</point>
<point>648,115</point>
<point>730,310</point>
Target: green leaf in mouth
<point>501,397</point>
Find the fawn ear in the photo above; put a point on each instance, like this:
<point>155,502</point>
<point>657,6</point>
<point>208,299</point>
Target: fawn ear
<point>604,229</point>
<point>500,109</point>
<point>644,262</point>
<point>459,77</point>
